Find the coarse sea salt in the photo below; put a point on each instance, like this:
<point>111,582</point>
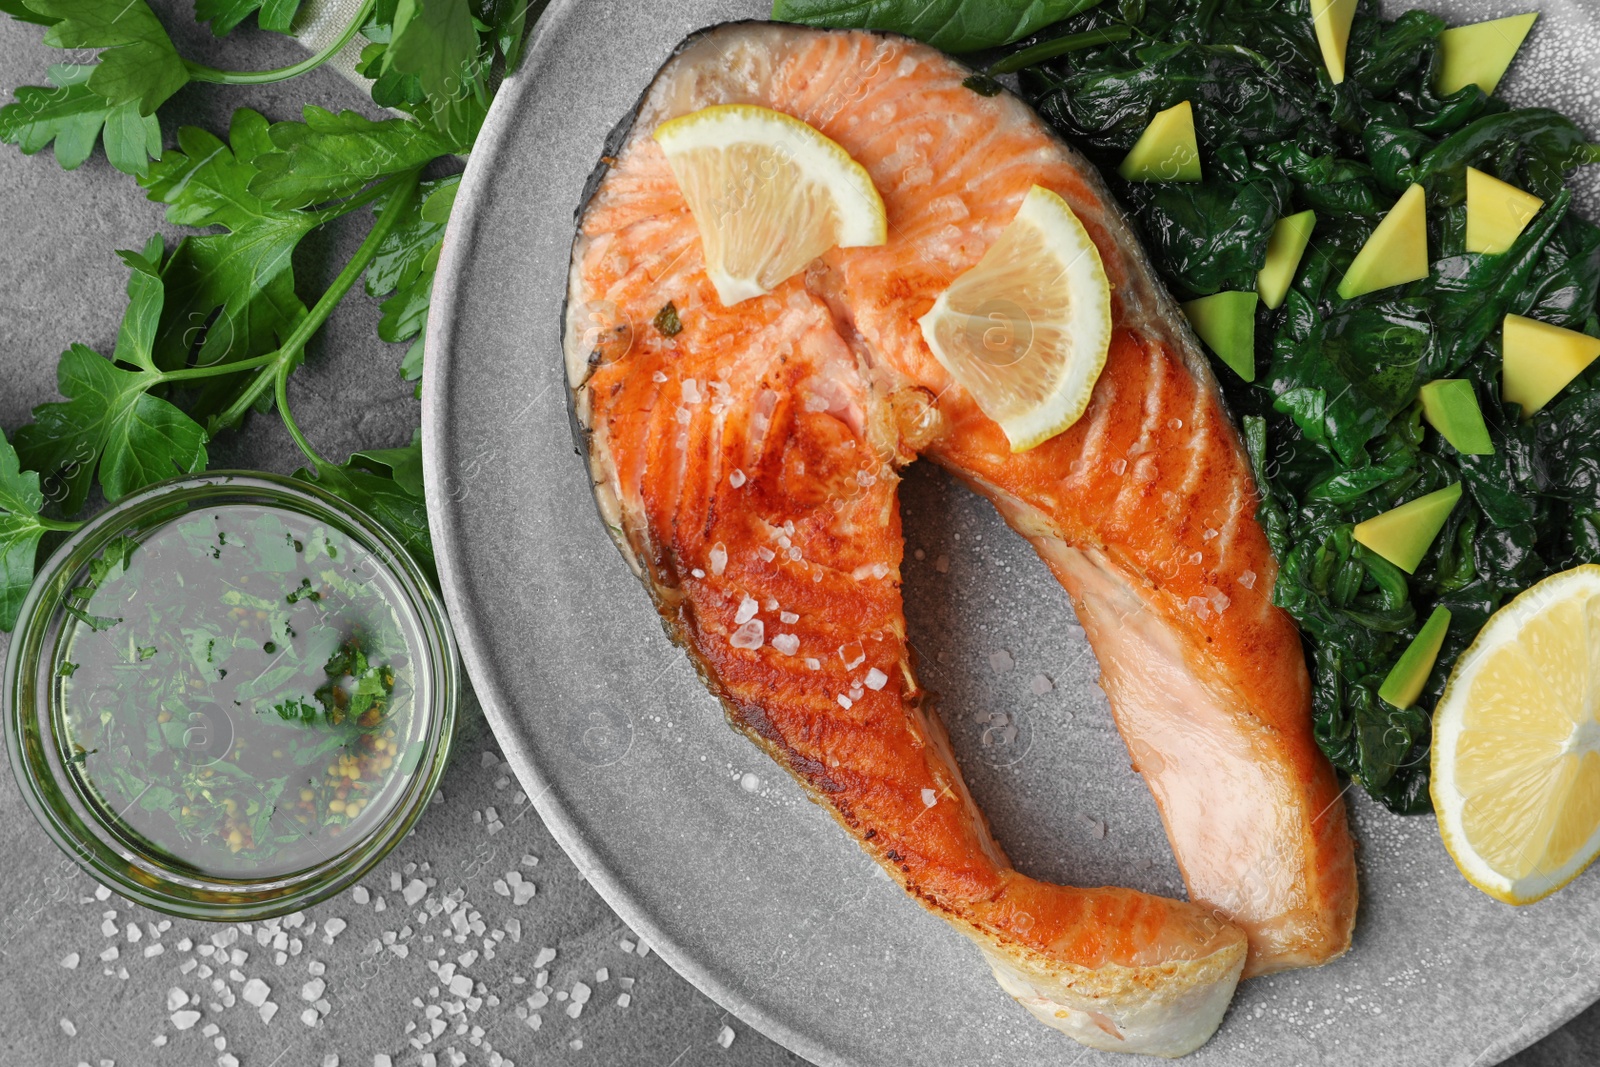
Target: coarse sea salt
<point>788,644</point>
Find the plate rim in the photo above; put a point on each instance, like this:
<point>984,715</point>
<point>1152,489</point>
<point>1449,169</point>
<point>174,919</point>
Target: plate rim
<point>486,677</point>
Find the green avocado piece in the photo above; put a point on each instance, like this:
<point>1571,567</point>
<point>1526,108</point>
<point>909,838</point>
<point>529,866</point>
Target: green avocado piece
<point>1397,251</point>
<point>1402,535</point>
<point>1288,244</point>
<point>1451,407</point>
<point>1226,322</point>
<point>1480,54</point>
<point>1167,150</point>
<point>1410,672</point>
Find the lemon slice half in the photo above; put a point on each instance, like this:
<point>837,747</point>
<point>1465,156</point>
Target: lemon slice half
<point>1516,748</point>
<point>1026,329</point>
<point>768,193</point>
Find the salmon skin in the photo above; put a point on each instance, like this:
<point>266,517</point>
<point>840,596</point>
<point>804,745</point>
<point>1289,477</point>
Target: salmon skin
<point>747,466</point>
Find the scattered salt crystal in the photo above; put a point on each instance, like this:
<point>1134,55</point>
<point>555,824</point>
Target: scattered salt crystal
<point>461,986</point>
<point>853,655</point>
<point>183,1020</point>
<point>267,1011</point>
<point>574,1010</point>
<point>534,1022</point>
<point>1041,685</point>
<point>601,975</point>
<point>133,933</point>
<point>545,956</point>
<point>415,890</point>
<point>788,644</point>
<point>331,1060</point>
<point>312,990</point>
<point>109,954</point>
<point>68,1028</point>
<point>154,950</point>
<point>625,945</point>
<point>844,701</point>
<point>227,1059</point>
<point>108,928</point>
<point>749,783</point>
<point>929,798</point>
<point>1119,466</point>
<point>176,998</point>
<point>381,1060</point>
<point>691,391</point>
<point>70,961</point>
<point>332,929</point>
<point>736,479</point>
<point>576,1044</point>
<point>813,664</point>
<point>101,892</point>
<point>658,377</point>
<point>309,1016</point>
<point>719,558</point>
<point>360,895</point>
<point>255,992</point>
<point>1001,661</point>
<point>750,635</point>
<point>1219,601</point>
<point>725,1036</point>
<point>514,928</point>
<point>159,1040</point>
<point>747,609</point>
<point>1195,559</point>
<point>1248,579</point>
<point>766,554</point>
<point>500,887</point>
<point>876,679</point>
<point>1200,606</point>
<point>624,1000</point>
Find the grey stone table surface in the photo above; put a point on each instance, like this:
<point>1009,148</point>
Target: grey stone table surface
<point>479,896</point>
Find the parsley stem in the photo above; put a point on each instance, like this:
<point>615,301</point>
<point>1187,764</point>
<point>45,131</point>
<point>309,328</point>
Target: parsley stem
<point>280,387</point>
<point>202,73</point>
<point>212,370</point>
<point>282,362</point>
<point>56,525</point>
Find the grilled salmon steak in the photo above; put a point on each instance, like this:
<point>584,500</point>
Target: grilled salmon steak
<point>746,460</point>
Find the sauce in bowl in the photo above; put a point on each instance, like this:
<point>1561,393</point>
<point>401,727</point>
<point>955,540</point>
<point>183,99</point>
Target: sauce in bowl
<point>230,695</point>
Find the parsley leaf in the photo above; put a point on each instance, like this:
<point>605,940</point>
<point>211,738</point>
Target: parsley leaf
<point>245,272</point>
<point>74,117</point>
<point>404,267</point>
<point>363,483</point>
<point>329,156</point>
<point>437,42</point>
<point>110,421</point>
<point>20,531</point>
<point>225,15</point>
<point>138,63</point>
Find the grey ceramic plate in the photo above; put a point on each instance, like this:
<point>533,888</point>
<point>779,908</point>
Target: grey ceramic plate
<point>709,851</point>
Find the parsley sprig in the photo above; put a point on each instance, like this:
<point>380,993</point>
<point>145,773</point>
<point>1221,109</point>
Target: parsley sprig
<point>217,324</point>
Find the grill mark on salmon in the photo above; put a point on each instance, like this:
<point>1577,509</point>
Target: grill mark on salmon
<point>759,504</point>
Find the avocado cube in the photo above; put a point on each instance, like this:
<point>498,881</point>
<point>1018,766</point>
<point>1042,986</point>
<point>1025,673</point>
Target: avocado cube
<point>1540,360</point>
<point>1402,535</point>
<point>1497,212</point>
<point>1397,251</point>
<point>1410,672</point>
<point>1167,151</point>
<point>1332,20</point>
<point>1285,249</point>
<point>1480,54</point>
<point>1226,322</point>
<point>1451,407</point>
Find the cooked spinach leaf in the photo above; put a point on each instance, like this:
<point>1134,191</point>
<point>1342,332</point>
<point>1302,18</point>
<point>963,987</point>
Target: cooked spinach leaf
<point>1333,423</point>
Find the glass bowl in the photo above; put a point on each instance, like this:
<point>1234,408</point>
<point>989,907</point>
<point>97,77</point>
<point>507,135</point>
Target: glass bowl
<point>169,847</point>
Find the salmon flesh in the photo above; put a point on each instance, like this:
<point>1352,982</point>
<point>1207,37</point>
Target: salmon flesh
<point>747,464</point>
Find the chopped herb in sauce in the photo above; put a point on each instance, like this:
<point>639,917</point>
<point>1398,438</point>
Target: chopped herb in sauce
<point>667,320</point>
<point>236,687</point>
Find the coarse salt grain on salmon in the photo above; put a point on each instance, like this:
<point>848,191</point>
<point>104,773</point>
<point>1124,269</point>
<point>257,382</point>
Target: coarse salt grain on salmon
<point>747,465</point>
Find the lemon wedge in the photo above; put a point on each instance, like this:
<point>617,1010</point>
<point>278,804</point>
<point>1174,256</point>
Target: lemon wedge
<point>768,193</point>
<point>1516,746</point>
<point>1026,329</point>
